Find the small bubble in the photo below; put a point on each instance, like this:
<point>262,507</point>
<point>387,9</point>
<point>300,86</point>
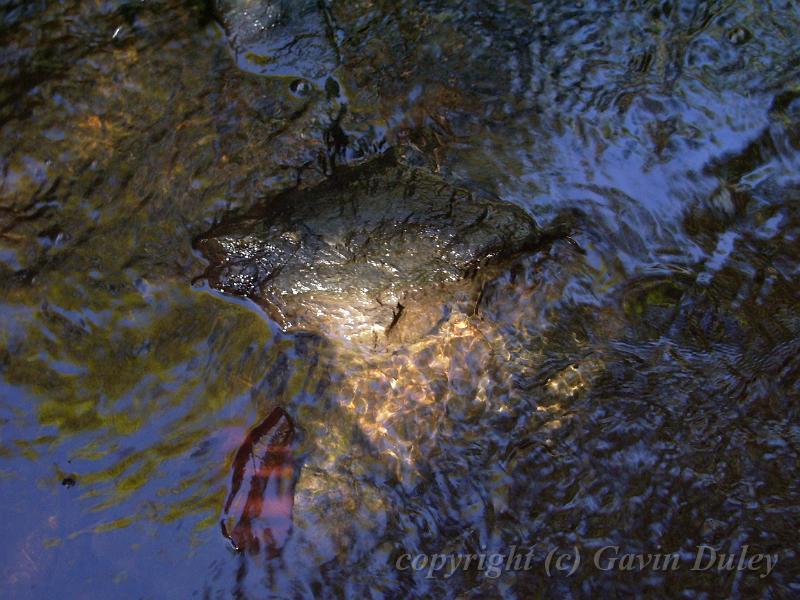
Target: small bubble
<point>738,35</point>
<point>299,87</point>
<point>68,482</point>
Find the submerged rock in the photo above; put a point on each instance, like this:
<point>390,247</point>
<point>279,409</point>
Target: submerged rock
<point>278,37</point>
<point>378,80</point>
<point>381,251</point>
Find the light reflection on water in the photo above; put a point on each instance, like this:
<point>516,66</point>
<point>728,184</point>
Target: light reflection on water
<point>635,385</point>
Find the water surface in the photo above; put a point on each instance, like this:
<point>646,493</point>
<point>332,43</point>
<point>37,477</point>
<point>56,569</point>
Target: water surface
<point>634,385</point>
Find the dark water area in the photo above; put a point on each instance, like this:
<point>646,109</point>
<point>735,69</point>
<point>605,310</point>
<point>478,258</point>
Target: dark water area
<point>631,384</point>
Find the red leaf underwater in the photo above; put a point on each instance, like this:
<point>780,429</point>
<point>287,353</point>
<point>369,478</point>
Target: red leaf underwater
<point>262,488</point>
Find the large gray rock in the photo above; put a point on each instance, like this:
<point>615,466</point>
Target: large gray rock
<point>382,251</point>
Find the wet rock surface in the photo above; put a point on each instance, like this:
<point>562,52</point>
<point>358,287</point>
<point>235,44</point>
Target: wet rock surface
<point>384,250</point>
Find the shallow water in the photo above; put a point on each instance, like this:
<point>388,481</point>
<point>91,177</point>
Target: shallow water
<point>633,385</point>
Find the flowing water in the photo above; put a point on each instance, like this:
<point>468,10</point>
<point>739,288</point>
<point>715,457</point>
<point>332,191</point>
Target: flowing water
<point>633,384</point>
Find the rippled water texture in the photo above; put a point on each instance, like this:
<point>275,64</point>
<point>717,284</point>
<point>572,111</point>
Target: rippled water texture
<point>635,383</point>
